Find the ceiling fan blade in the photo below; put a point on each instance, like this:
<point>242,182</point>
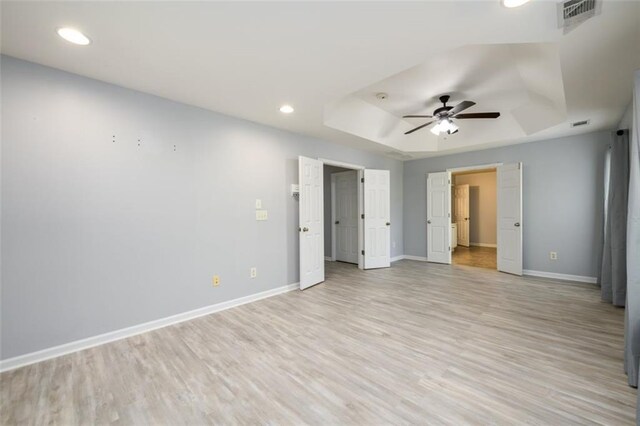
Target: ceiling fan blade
<point>479,115</point>
<point>460,107</point>
<point>417,116</point>
<point>419,127</point>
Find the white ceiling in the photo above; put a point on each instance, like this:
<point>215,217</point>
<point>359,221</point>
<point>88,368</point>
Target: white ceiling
<point>246,59</point>
<point>521,81</point>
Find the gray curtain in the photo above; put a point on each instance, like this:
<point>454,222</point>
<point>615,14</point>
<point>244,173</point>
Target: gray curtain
<point>632,313</point>
<point>613,272</point>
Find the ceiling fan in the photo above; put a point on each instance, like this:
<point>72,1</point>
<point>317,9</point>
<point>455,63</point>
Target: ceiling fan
<point>444,115</point>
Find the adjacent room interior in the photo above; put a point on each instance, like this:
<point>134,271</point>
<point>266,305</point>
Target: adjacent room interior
<point>341,231</point>
<point>474,218</point>
<point>327,213</point>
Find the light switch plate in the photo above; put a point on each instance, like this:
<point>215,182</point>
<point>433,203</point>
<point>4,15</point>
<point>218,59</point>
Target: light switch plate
<point>261,215</point>
<point>258,204</point>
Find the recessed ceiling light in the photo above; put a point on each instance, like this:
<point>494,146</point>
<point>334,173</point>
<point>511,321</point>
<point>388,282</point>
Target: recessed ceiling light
<point>513,3</point>
<point>286,109</point>
<point>73,36</point>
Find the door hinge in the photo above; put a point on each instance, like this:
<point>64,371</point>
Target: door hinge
<point>361,180</point>
<point>449,248</point>
<point>449,214</point>
<point>362,216</point>
<point>449,181</point>
<point>363,252</point>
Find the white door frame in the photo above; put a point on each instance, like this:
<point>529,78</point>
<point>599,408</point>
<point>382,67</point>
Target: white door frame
<point>472,168</point>
<point>359,194</point>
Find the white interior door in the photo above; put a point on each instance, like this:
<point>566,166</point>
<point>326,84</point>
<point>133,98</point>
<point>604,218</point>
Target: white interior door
<point>377,219</point>
<point>461,213</point>
<point>345,216</point>
<point>311,228</point>
<point>439,217</point>
<point>510,218</point>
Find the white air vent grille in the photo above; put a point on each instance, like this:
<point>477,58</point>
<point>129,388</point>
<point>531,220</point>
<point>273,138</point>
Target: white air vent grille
<point>572,13</point>
<point>399,155</point>
<point>580,123</point>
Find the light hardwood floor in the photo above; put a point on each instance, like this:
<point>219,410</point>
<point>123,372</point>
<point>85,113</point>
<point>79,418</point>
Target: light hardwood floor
<point>417,343</point>
<point>480,257</point>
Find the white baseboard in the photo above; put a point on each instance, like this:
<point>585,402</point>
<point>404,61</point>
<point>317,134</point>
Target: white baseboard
<point>395,259</point>
<point>101,339</point>
<point>411,257</point>
<point>484,245</point>
<point>563,277</point>
<point>328,259</point>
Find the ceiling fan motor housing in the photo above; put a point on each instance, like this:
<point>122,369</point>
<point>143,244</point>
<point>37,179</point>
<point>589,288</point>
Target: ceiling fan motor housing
<point>443,109</point>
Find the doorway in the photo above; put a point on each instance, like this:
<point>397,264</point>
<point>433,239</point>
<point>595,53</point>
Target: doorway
<point>341,214</point>
<point>474,218</point>
<point>442,240</point>
<point>373,189</point>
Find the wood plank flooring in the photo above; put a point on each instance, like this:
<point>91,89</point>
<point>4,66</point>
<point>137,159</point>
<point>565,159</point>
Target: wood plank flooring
<point>480,257</point>
<point>414,344</point>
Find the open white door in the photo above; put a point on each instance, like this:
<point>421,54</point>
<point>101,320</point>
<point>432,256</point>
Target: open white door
<point>439,217</point>
<point>377,219</point>
<point>345,206</point>
<point>461,213</point>
<point>510,218</point>
<point>311,228</point>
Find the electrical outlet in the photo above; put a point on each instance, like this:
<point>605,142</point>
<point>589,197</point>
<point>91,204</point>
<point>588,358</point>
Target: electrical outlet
<point>216,280</point>
<point>254,272</point>
<point>553,255</point>
<point>261,215</point>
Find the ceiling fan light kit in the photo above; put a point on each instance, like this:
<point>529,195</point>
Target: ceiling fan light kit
<point>443,117</point>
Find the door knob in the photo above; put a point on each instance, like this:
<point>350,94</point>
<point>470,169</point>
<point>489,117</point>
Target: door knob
<point>305,229</point>
<point>428,221</point>
<point>517,224</point>
<point>337,222</point>
<point>388,223</point>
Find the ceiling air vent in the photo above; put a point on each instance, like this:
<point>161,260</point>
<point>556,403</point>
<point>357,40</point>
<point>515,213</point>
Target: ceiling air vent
<point>580,123</point>
<point>399,155</point>
<point>572,13</point>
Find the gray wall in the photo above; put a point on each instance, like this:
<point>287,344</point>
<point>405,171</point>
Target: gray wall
<point>99,235</point>
<point>562,199</point>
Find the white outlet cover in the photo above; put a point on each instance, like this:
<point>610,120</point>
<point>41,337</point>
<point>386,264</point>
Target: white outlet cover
<point>261,215</point>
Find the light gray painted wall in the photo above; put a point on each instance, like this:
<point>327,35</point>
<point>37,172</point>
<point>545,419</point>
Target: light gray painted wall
<point>100,235</point>
<point>482,206</point>
<point>562,201</point>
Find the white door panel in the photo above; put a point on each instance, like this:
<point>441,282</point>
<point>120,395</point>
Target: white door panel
<point>377,219</point>
<point>510,218</point>
<point>439,217</point>
<point>311,228</point>
<point>461,213</point>
<point>346,216</point>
